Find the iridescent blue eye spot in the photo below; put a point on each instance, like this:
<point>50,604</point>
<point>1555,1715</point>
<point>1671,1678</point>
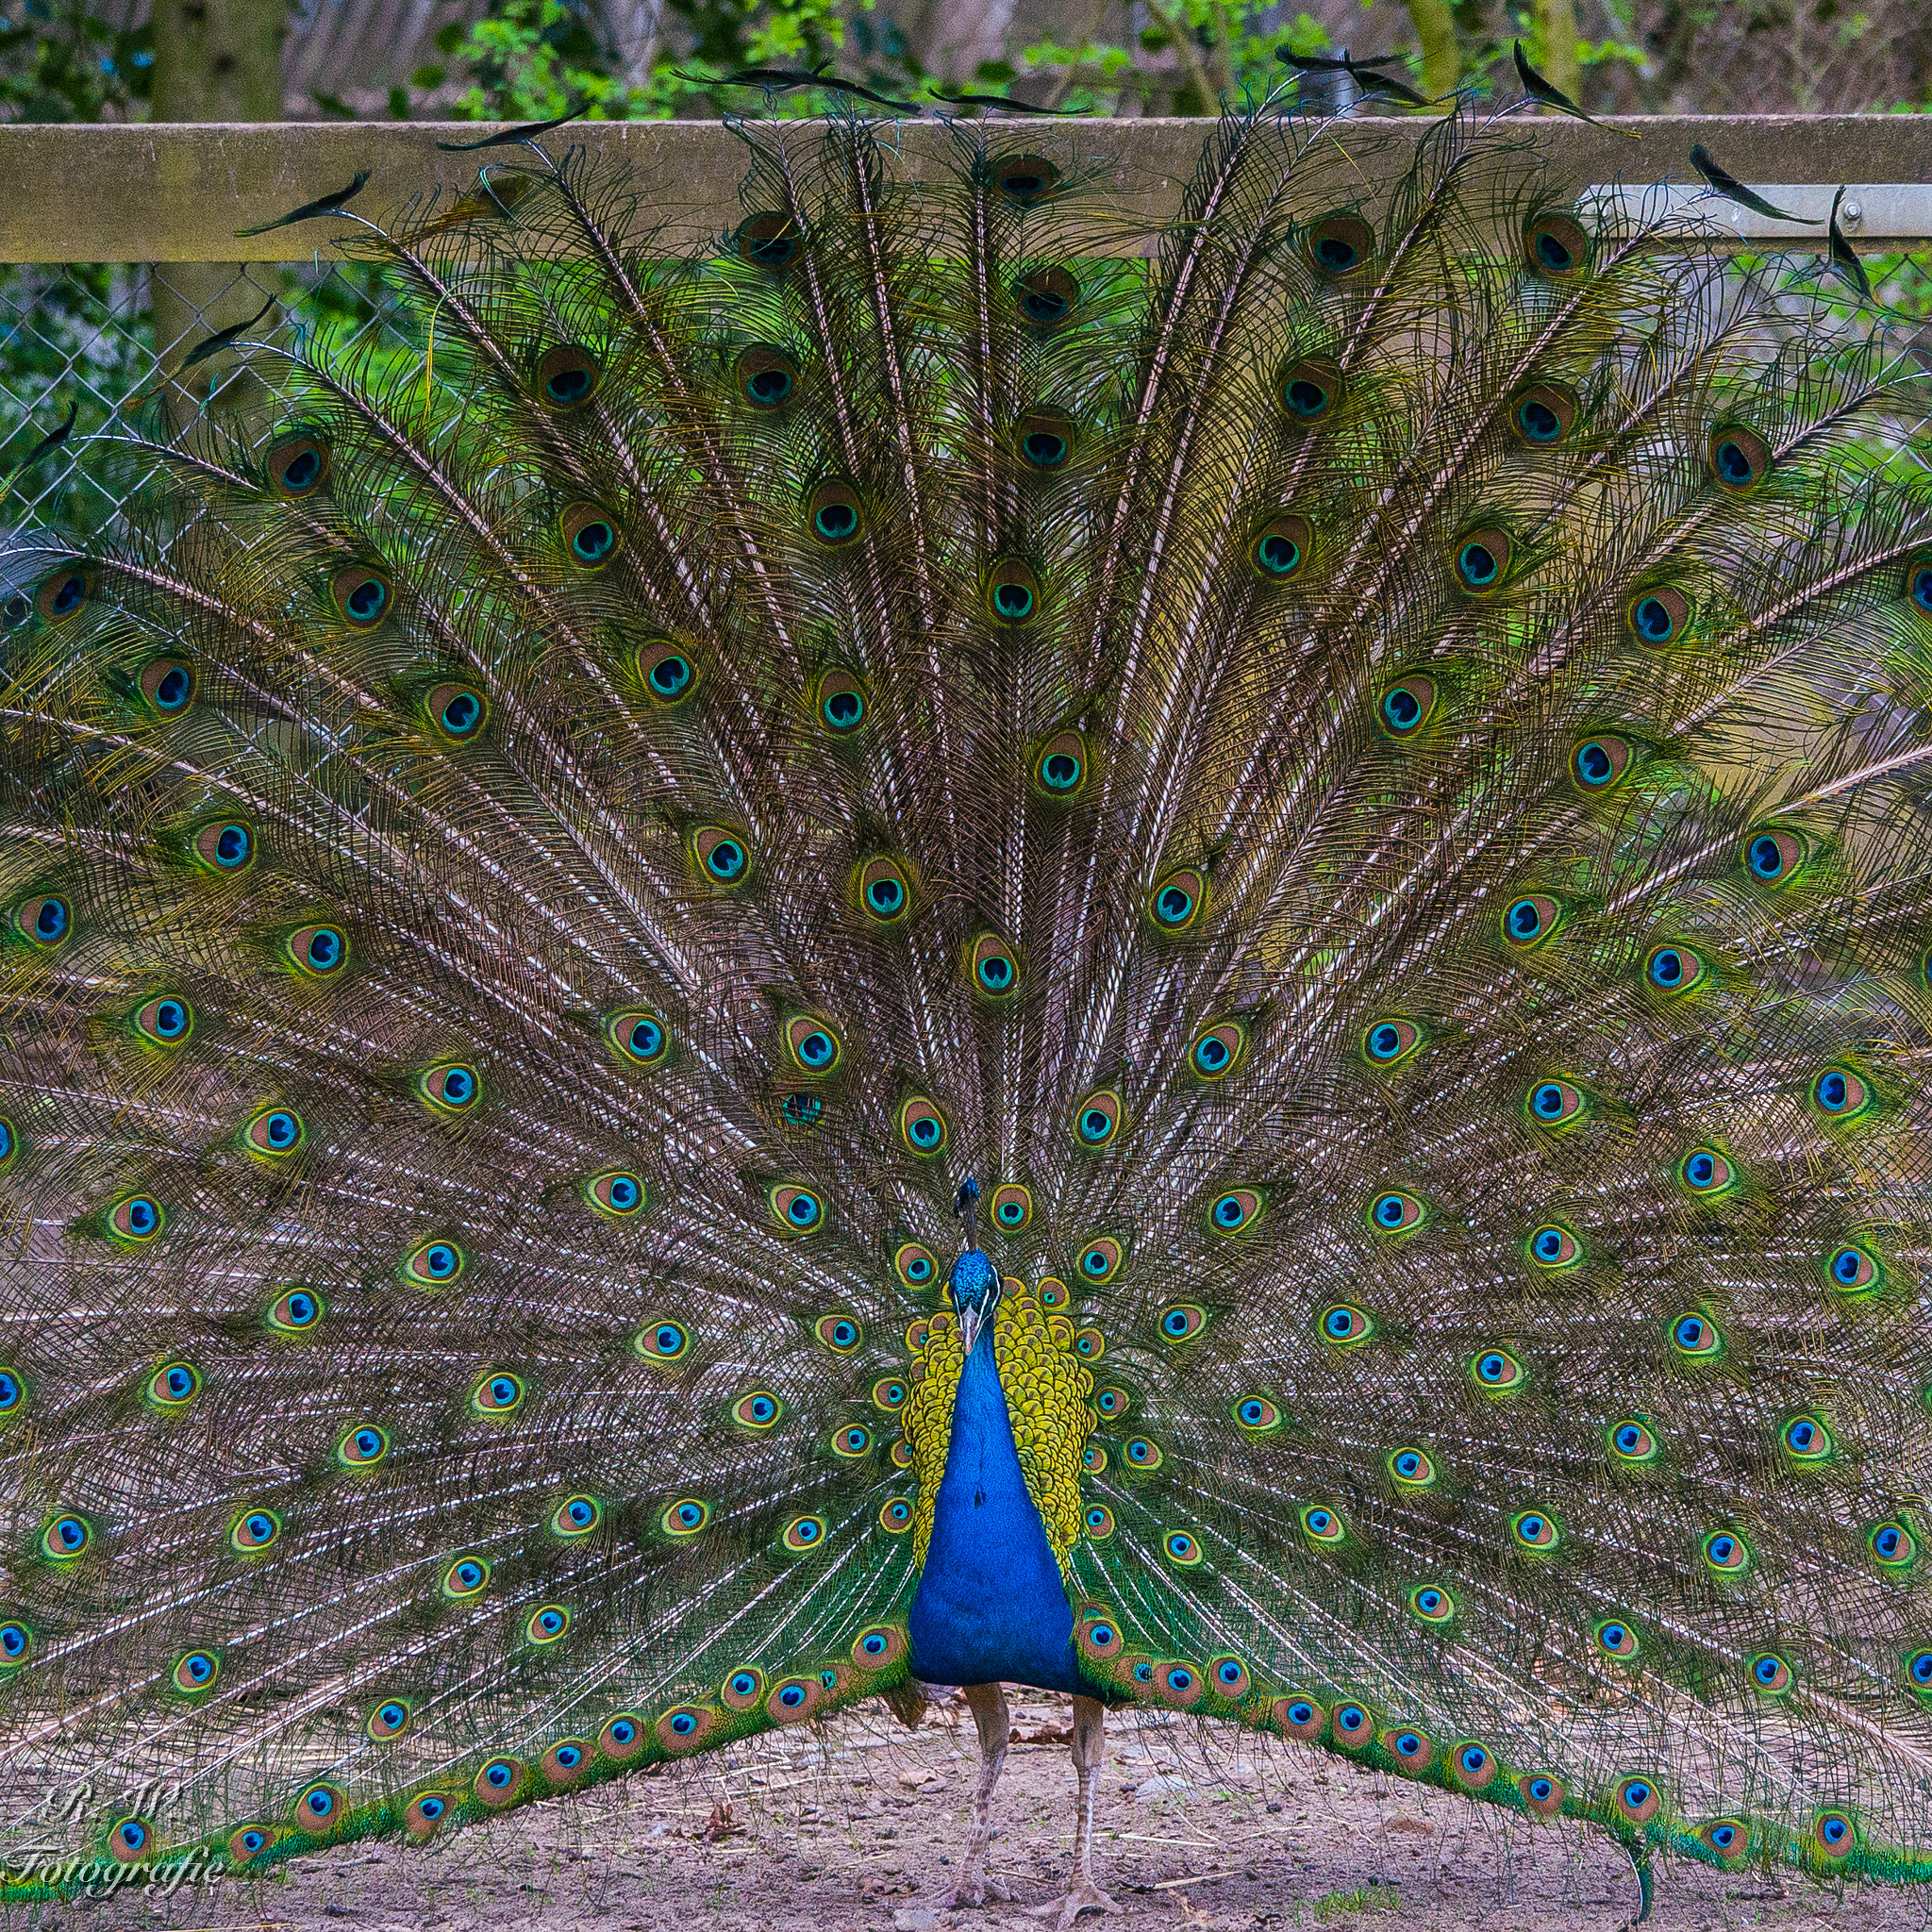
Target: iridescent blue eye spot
<point>1554,254</point>
<point>843,709</point>
<point>1889,1541</point>
<point>321,1802</point>
<point>1654,620</point>
<point>1700,1170</point>
<point>1304,396</point>
<point>791,1696</point>
<point>1547,1101</point>
<point>1401,708</point>
<point>232,846</point>
<point>172,689</point>
<point>499,1774</point>
<point>51,920</point>
<point>646,1039</point>
<point>1919,1668</point>
<point>1801,1435</point>
<point>1537,420</point>
<point>143,1217</point>
<point>885,896</point>
<point>1833,1830</point>
<point>1667,969</point>
<point>837,521</point>
<point>1690,1332</point>
<point>1477,565</point>
<point>1733,465</point>
<point>726,859</point>
<point>1473,1757</point>
<point>1213,1055</point>
<point>1922,586</point>
<point>1390,1211</point>
<point>1525,920</point>
<point>1594,765</point>
<point>624,1193</point>
<point>1320,1522</point>
<point>1173,905</point>
<point>1846,1266</point>
<point>1766,1670</point>
<point>1767,856</point>
<point>1724,1836</point>
<point>10,1390</point>
<point>1385,1043</point>
<point>1428,1602</point>
<point>744,1684</point>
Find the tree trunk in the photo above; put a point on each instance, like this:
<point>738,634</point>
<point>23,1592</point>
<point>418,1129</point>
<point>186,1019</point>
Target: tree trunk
<point>1435,28</point>
<point>214,60</point>
<point>1555,24</point>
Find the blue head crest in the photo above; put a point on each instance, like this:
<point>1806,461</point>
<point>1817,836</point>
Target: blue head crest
<point>975,1281</point>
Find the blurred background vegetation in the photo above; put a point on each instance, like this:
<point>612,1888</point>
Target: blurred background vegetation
<point>471,59</point>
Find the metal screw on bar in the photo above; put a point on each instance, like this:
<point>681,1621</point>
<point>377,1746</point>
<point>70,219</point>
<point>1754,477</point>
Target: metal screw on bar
<point>1851,214</point>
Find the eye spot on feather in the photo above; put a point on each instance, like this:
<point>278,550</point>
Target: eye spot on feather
<point>1543,1796</point>
<point>467,1576</point>
<point>1093,1459</point>
<point>130,1839</point>
<point>297,465</point>
<point>1658,616</point>
<point>1729,1838</point>
<point>852,1441</point>
<point>834,514</point>
<point>1180,1322</point>
<point>685,1518</point>
<point>565,1762</point>
<point>1411,1750</point>
<point>136,1220</point>
<point>759,1410</point>
<point>12,1395</point>
<point>1025,180</point>
<point>1219,1049</point>
<point>1308,390</point>
<point>1053,1293</point>
<point>1695,1337</point>
<point>1324,1526</point>
<point>620,1739</point>
<point>1841,1094</point>
<point>317,951</point>
<point>1497,1371</point>
<point>840,702</point>
<point>499,1783</point>
<point>1918,1669</point>
<point>168,1021</point>
<point>66,1538</point>
<point>915,1265</point>
<point>1707,1172</point>
<point>1529,921</point>
<point>1918,581</point>
<point>320,1811</point>
<point>567,378</point>
<point>883,891</point>
<point>589,536</point>
<point>1637,1799</point>
<point>1770,1675</point>
<point>1633,1443</point>
<point>1181,1548</point>
<point>662,1339</point>
<point>1807,1439</point>
<point>435,1264</point>
<point>1432,1605</point>
<point>275,1132</point>
<point>364,1447</point>
<point>878,1648</point>
<point>1598,763</point>
<point>1554,1246</point>
<point>890,1394</point>
<point>744,1689</point>
<point>1300,1717</point>
<point>1344,1324</point>
<point>45,919</point>
<point>451,1089</point>
<point>1060,769</point>
<point>362,595</point>
<point>499,1392</point>
<point>1097,1523</point>
<point>1673,968</point>
<point>667,671</point>
<point>1533,1529</point>
<point>895,1517</point>
<point>993,967</point>
<point>768,239</point>
<point>1852,1271</point>
<point>254,1530</point>
<point>1089,1345</point>
<point>1555,246</point>
<point>1616,1639</point>
<point>1405,705</point>
<point>1280,548</point>
<point>1047,297</point>
<point>1726,1552</point>
<point>1412,1469</point>
<point>1113,1403</point>
<point>547,1624</point>
<point>841,1333</point>
<point>1893,1547</point>
<point>169,1389</point>
<point>1012,594</point>
<point>1739,457</point>
<point>1097,1119</point>
<point>1142,1456</point>
<point>1396,1213</point>
<point>1390,1041</point>
<point>64,593</point>
<point>1482,559</point>
<point>1043,440</point>
<point>1236,1211</point>
<point>803,1533</point>
<point>813,1043</point>
<point>224,848</point>
<point>390,1719</point>
<point>1100,1261</point>
<point>1553,1103</point>
<point>248,1845</point>
<point>1352,1726</point>
<point>1338,245</point>
<point>1175,903</point>
<point>1543,415</point>
<point>168,687</point>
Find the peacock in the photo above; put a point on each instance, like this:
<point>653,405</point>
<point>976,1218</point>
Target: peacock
<point>972,940</point>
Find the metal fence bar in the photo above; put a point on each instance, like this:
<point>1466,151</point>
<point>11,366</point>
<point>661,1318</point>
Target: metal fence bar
<point>162,192</point>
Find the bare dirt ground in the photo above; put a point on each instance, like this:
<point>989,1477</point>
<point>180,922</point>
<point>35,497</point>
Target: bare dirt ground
<point>859,1826</point>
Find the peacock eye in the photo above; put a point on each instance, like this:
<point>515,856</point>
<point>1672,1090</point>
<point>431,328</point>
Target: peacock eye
<point>1388,1042</point>
<point>1543,415</point>
<point>759,1410</point>
<point>1553,1103</point>
<point>1218,1050</point>
<point>225,847</point>
<point>1321,1525</point>
<point>1529,921</point>
<point>1658,616</point>
<point>923,1126</point>
<point>814,1044</point>
<point>362,595</point>
<point>1043,438</point>
<point>567,377</point>
<point>1405,705</point>
<point>1555,246</point>
<point>840,702</point>
<point>465,1577</point>
<point>317,952</point>
<point>1704,1171</point>
<point>883,891</point>
<point>275,1131</point>
<point>1308,390</point>
<point>685,1517</point>
<point>1771,854</point>
<point>498,1393</point>
<point>1617,1638</point>
<point>1239,1208</point>
<point>1807,1439</point>
<point>195,1671</point>
<point>1433,1604</point>
<point>915,1265</point>
<point>1180,1322</point>
<point>364,1447</point>
<point>765,377</point>
<point>174,1386</point>
<point>1633,1443</point>
<point>451,1089</point>
<point>1555,1246</point>
<point>1046,297</point>
<point>168,685</point>
<point>1726,1552</point>
<point>1672,969</point>
<point>1482,558</point>
<point>667,671</point>
<point>165,1022</point>
<point>1597,763</point>
<point>1497,1371</point>
<point>1280,548</point>
<point>722,856</point>
<point>1060,770</point>
<point>1011,1208</point>
<point>1739,457</point>
<point>45,919</point>
<point>136,1220</point>
<point>1023,179</point>
<point>256,1529</point>
<point>1256,1413</point>
<point>642,1039</point>
<point>1097,1119</point>
<point>387,1720</point>
<point>617,1195</point>
<point>1411,1468</point>
<point>1396,1213</point>
<point>841,1333</point>
<point>297,465</point>
<point>1175,903</point>
<point>1339,245</point>
<point>435,1264</point>
<point>661,1339</point>
<point>1840,1093</point>
<point>547,1624</point>
<point>1345,1324</point>
<point>834,515</point>
<point>767,239</point>
<point>64,593</point>
<point>993,967</point>
<point>1533,1529</point>
<point>1012,593</point>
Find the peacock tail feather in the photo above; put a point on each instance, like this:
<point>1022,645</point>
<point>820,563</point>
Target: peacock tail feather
<point>1358,757</point>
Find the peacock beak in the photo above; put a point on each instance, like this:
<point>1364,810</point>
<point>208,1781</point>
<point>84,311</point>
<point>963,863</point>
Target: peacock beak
<point>969,1326</point>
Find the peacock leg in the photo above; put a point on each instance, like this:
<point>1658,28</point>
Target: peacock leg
<point>988,1703</point>
<point>1090,1741</point>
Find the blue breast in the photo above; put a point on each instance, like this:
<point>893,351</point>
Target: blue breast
<point>990,1606</point>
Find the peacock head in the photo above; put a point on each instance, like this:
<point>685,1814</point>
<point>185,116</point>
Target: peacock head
<point>975,1281</point>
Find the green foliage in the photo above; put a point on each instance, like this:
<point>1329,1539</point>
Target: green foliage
<point>60,62</point>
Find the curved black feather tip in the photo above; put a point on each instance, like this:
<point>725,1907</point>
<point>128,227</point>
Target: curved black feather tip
<point>322,205</point>
<point>1727,184</point>
<point>1538,89</point>
<point>529,130</point>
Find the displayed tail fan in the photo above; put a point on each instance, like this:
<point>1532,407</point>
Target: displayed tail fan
<point>1356,759</point>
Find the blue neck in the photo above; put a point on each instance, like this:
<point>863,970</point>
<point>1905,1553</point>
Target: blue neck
<point>990,1607</point>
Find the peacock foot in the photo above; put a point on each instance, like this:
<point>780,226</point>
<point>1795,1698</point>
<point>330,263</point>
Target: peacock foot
<point>1085,1897</point>
<point>972,1892</point>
